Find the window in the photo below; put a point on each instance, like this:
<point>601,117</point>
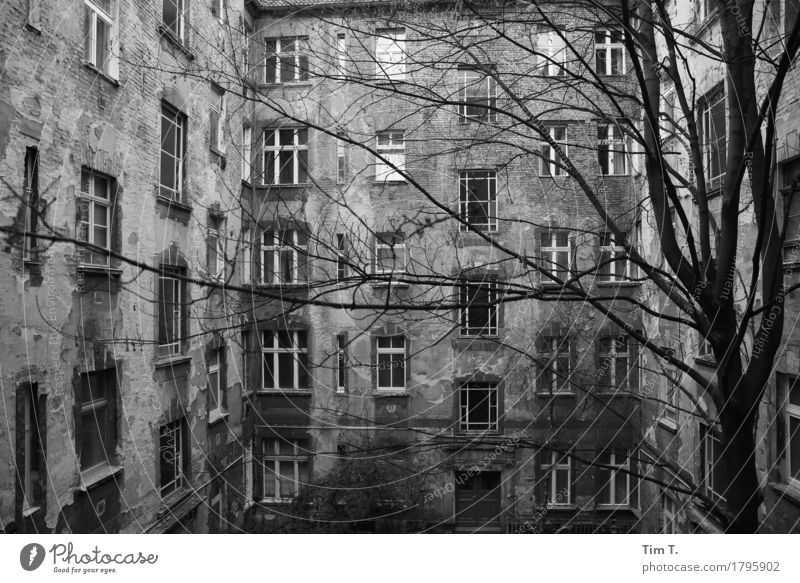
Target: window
<point>478,199</point>
<point>478,407</point>
<point>670,393</point>
<point>30,203</point>
<point>217,120</point>
<point>391,363</point>
<point>216,380</point>
<point>171,310</point>
<point>553,54</point>
<point>173,129</point>
<point>713,137</point>
<point>341,363</point>
<point>612,150</point>
<point>710,466</point>
<point>247,153</point>
<point>615,363</point>
<point>35,14</point>
<point>708,8</point>
<point>31,434</point>
<point>556,253</point>
<point>477,96</point>
<point>215,243</point>
<point>390,57</point>
<point>392,148</point>
<point>95,216</point>
<point>97,442</point>
<point>390,254</point>
<point>98,48</point>
<point>285,468</point>
<point>286,156</point>
<point>173,15</point>
<point>616,481</point>
<point>218,9</point>
<point>478,308</point>
<point>342,159</point>
<point>286,60</point>
<point>342,261</point>
<point>669,523</point>
<point>614,265</point>
<point>285,355</point>
<point>555,374</point>
<point>551,164</point>
<point>173,445</point>
<point>557,472</point>
<point>609,52</point>
<point>283,257</point>
<point>792,427</point>
<point>247,256</point>
<point>341,54</point>
<point>704,350</point>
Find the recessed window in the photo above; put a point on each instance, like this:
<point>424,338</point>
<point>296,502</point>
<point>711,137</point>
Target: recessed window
<point>478,407</point>
<point>284,258</point>
<point>286,60</point>
<point>98,48</point>
<point>217,120</point>
<point>342,159</point>
<point>391,362</point>
<point>173,17</point>
<point>556,253</point>
<point>390,254</point>
<point>341,54</point>
<point>173,142</point>
<point>390,54</point>
<point>613,265</point>
<point>557,478</point>
<point>710,465</point>
<point>713,135</point>
<point>553,54</point>
<point>790,389</point>
<point>95,216</point>
<point>478,199</point>
<point>31,428</point>
<point>391,148</point>
<point>615,363</point>
<point>246,246</point>
<point>216,381</point>
<point>247,153</point>
<point>286,464</point>
<point>669,522</point>
<point>612,150</point>
<point>30,204</point>
<point>285,359</point>
<point>97,438</point>
<point>215,247</point>
<point>173,445</point>
<point>609,52</point>
<point>616,482</point>
<point>478,308</point>
<point>550,163</point>
<point>477,96</point>
<point>171,309</point>
<point>341,363</point>
<point>556,365</point>
<point>285,156</point>
<point>342,257</point>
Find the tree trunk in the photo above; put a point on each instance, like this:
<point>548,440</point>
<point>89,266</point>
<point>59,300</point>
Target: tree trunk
<point>741,487</point>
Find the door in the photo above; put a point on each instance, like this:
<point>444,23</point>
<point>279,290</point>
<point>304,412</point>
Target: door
<point>478,504</point>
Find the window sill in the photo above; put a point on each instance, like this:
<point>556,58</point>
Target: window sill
<point>30,510</point>
<point>99,270</point>
<point>277,500</point>
<point>172,360</point>
<point>300,392</point>
<point>287,85</point>
<point>668,424</point>
<point>282,286</point>
<point>102,74</point>
<point>93,476</point>
<point>557,394</point>
<point>386,284</point>
<point>171,202</point>
<point>560,506</point>
<point>175,41</point>
<point>788,490</point>
<point>612,507</point>
<point>618,283</point>
<point>34,28</point>
<point>705,361</point>
<point>395,182</point>
<point>216,416</point>
<point>380,392</point>
<point>478,336</point>
<point>290,185</point>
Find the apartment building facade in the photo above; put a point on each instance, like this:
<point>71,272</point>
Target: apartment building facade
<point>121,392</point>
<point>396,318</point>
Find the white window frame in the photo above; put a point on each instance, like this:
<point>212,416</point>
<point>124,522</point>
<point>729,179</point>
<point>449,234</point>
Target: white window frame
<point>247,154</point>
<point>391,145</point>
<point>342,158</point>
<point>670,394</point>
<point>272,241</point>
<point>341,363</point>
<point>178,121</point>
<point>464,179</point>
<point>558,463</point>
<point>298,55</point>
<point>556,381</point>
<point>273,351</point>
<point>172,274</point>
<point>615,142</point>
<point>469,78</point>
<point>180,7</point>
<point>32,441</point>
<point>219,8</point>
<point>96,204</point>
<point>217,118</point>
<point>94,14</point>
<point>341,54</point>
<point>392,352</point>
<point>274,150</point>
<point>669,524</point>
<point>176,453</point>
<point>620,470</point>
<point>214,367</point>
<point>609,47</point>
<point>465,300</point>
<point>552,249</point>
<point>554,55</point>
<point>709,461</point>
<point>31,202</point>
<point>342,257</point>
<point>613,356</point>
<point>708,147</point>
<point>610,249</point>
<point>550,163</point>
<point>397,251</point>
<point>216,241</point>
<point>467,425</point>
<point>300,456</point>
<point>791,411</point>
<point>246,256</point>
<point>390,55</point>
<point>706,9</point>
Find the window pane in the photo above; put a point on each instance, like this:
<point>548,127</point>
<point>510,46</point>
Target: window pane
<point>269,375</point>
<point>794,447</point>
<point>286,370</point>
<point>384,370</point>
<point>286,483</point>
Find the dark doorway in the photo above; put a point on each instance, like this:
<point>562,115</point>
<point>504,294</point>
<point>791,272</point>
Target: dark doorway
<point>478,504</point>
